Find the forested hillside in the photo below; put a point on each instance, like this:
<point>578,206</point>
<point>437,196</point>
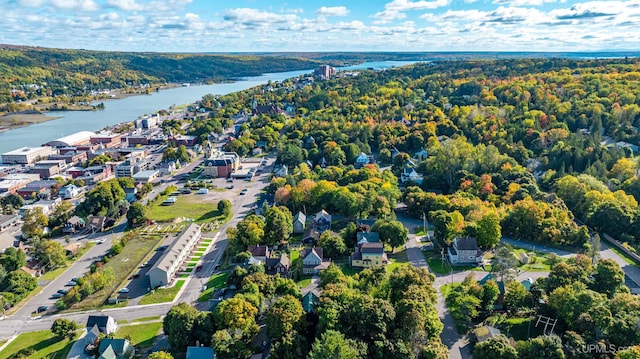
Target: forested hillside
<point>39,72</point>
<point>534,143</point>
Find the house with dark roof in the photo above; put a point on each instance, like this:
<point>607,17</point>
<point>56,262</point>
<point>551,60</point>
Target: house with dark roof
<point>96,223</point>
<point>313,261</point>
<point>105,323</point>
<point>93,334</point>
<point>369,251</point>
<point>464,250</point>
<point>279,265</point>
<point>74,224</point>
<point>6,220</point>
<point>299,222</point>
<point>322,221</point>
<point>259,253</point>
<point>115,349</point>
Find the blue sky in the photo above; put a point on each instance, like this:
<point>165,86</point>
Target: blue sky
<point>311,25</point>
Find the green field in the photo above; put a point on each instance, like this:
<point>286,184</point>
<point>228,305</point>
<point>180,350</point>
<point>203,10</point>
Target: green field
<point>187,205</point>
<point>216,281</point>
<point>141,335</point>
<point>162,295</point>
<point>44,343</point>
<point>305,281</point>
<point>122,265</point>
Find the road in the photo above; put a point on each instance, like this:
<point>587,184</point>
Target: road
<point>22,321</point>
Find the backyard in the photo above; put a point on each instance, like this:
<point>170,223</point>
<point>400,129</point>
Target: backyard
<point>162,295</point>
<point>140,335</point>
<point>216,281</point>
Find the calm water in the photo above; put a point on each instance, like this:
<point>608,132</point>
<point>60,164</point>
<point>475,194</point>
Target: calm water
<point>128,109</point>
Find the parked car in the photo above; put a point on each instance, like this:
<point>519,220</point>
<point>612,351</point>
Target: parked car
<point>70,283</point>
<point>63,291</point>
<point>124,290</point>
<point>199,268</point>
<point>230,186</point>
<point>56,295</point>
<point>42,308</point>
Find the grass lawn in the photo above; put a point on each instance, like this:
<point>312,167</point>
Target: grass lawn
<point>141,335</point>
<point>44,343</point>
<point>186,204</point>
<point>519,327</point>
<point>397,259</point>
<point>347,269</point>
<point>623,255</point>
<point>162,295</point>
<point>207,241</point>
<point>303,282</point>
<point>122,266</point>
<point>216,281</point>
<point>436,264</point>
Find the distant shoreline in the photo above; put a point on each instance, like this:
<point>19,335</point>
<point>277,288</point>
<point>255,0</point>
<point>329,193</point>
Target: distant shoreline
<point>13,120</point>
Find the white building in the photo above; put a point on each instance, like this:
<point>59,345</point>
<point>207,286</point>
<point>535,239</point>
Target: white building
<point>74,139</point>
<point>168,264</point>
<point>27,155</point>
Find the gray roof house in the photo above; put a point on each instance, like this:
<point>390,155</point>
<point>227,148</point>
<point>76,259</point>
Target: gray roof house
<point>299,223</point>
<point>464,250</point>
<point>105,323</point>
<point>161,273</point>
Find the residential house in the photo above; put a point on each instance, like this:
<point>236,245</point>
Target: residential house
<point>115,349</point>
<point>369,251</point>
<point>464,250</point>
<point>362,160</point>
<point>283,171</point>
<point>322,221</point>
<point>168,167</point>
<point>92,336</point>
<point>200,353</point>
<point>69,191</point>
<point>311,299</point>
<point>105,323</point>
<point>485,333</point>
<point>278,265</point>
<point>409,173</point>
<point>313,260</point>
<point>299,222</point>
<point>96,223</point>
<point>421,155</point>
<point>259,253</point>
<point>130,194</point>
<point>74,224</point>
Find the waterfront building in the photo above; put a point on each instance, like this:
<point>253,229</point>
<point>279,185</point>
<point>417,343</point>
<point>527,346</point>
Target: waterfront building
<point>27,155</point>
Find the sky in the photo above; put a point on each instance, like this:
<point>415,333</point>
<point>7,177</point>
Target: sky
<point>312,25</point>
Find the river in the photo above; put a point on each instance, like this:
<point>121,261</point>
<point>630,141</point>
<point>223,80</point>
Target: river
<point>130,108</point>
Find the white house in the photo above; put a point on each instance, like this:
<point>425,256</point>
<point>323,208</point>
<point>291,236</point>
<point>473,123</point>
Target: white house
<point>362,160</point>
<point>282,171</point>
<point>313,260</point>
<point>69,191</point>
<point>464,250</point>
<point>299,222</point>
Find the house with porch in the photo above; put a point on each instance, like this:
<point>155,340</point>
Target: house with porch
<point>73,225</point>
<point>278,265</point>
<point>313,261</point>
<point>321,221</point>
<point>369,251</point>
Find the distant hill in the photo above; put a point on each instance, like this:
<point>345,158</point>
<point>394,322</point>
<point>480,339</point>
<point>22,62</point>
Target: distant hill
<point>35,72</point>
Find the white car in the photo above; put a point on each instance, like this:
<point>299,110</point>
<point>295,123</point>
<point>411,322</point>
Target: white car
<point>124,290</point>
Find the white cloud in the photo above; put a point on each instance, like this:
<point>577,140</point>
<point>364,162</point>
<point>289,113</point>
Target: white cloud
<point>332,11</point>
<point>127,5</point>
<point>395,9</point>
<point>81,5</point>
<point>523,2</point>
<point>253,17</point>
<point>30,3</point>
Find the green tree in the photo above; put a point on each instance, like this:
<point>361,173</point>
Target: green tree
<point>490,293</point>
<point>13,258</point>
<point>435,349</point>
<point>332,244</point>
<point>64,327</point>
<point>160,355</point>
<point>278,225</point>
<point>495,348</point>
<point>488,230</point>
<point>515,295</point>
<point>504,262</point>
<point>608,277</point>
<point>250,230</point>
<point>136,215</point>
<point>20,282</point>
<point>49,252</point>
<point>13,200</point>
<point>224,207</point>
<point>178,324</point>
<point>231,344</point>
<point>333,345</point>
<point>542,347</point>
<point>34,223</point>
<point>284,317</point>
<point>392,233</point>
<point>236,314</point>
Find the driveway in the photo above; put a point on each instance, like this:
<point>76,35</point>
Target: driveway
<point>77,350</point>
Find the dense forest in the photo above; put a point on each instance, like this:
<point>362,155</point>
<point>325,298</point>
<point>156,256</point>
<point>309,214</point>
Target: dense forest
<point>30,72</point>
